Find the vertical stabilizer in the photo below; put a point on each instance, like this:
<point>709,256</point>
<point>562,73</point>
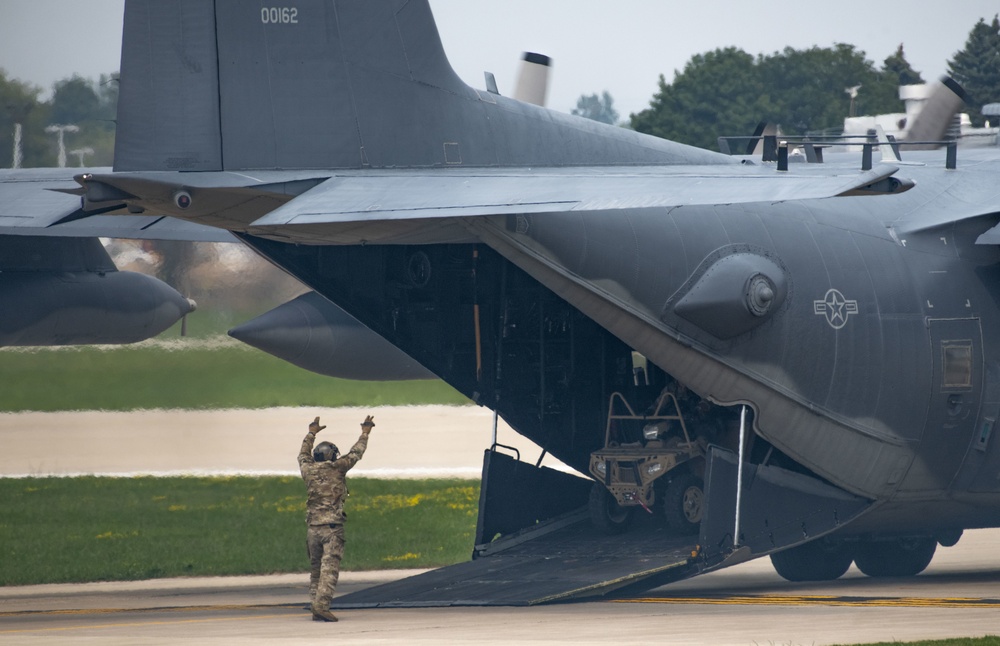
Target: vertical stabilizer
<point>232,84</point>
<point>168,103</point>
<point>331,84</point>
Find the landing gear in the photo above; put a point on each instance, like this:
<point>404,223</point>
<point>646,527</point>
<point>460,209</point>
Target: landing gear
<point>819,560</point>
<point>683,502</point>
<point>605,513</point>
<point>895,557</point>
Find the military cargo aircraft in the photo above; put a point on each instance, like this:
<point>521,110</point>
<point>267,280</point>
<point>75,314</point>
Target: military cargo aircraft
<point>828,333</point>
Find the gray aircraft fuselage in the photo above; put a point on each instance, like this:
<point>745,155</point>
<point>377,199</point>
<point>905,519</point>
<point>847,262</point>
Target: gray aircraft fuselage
<point>526,258</point>
<point>873,371</point>
<point>856,328</point>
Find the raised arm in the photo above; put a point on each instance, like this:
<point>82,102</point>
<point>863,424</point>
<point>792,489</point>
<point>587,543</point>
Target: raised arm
<point>358,450</point>
<point>305,455</point>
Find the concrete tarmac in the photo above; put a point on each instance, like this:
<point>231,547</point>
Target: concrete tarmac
<point>958,595</point>
<point>408,441</point>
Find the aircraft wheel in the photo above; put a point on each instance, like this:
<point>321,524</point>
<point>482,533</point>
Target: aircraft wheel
<point>818,560</point>
<point>897,557</point>
<point>605,513</point>
<point>683,502</point>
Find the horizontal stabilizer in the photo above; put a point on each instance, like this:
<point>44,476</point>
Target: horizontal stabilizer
<point>34,197</point>
<point>46,202</point>
<point>400,195</point>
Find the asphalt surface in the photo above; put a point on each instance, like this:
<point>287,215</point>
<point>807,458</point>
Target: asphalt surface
<point>408,441</point>
<point>958,595</point>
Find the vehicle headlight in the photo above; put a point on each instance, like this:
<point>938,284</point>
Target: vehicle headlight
<point>650,432</point>
<point>654,468</point>
<point>601,468</point>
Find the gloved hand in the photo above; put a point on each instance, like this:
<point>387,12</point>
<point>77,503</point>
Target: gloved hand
<point>366,425</point>
<point>315,427</point>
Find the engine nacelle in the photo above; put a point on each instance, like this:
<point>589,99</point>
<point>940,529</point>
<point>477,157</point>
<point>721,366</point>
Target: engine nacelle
<point>313,333</point>
<point>83,307</point>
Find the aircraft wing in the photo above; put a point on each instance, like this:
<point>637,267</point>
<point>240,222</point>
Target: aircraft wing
<point>33,203</point>
<point>409,195</point>
<point>348,207</point>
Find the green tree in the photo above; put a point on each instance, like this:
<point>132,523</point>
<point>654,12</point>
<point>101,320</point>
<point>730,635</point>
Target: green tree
<point>599,108</point>
<point>19,104</point>
<point>107,95</point>
<point>90,106</point>
<point>977,67</point>
<point>74,100</point>
<point>727,92</point>
<point>810,87</point>
<point>718,93</point>
<point>898,68</point>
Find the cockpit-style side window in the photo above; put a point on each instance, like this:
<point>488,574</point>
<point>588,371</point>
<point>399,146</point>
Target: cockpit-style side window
<point>956,361</point>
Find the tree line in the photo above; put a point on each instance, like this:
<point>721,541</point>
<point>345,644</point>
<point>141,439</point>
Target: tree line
<point>728,91</point>
<point>89,105</point>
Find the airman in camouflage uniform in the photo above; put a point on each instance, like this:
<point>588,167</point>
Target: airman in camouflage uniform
<point>325,476</point>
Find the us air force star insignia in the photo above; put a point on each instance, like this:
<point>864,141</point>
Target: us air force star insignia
<point>835,308</point>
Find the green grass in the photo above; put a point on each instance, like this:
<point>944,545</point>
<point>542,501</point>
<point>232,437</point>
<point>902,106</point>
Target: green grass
<point>105,529</point>
<point>988,640</point>
<point>219,375</point>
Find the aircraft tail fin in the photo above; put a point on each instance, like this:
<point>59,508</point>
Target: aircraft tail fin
<point>230,84</point>
<point>330,84</point>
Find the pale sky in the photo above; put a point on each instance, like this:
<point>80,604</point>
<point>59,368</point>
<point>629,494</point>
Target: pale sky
<point>621,46</point>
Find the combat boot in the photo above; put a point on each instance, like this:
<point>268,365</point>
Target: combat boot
<point>323,615</point>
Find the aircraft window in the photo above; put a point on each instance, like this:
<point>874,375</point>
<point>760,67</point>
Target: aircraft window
<point>956,361</point>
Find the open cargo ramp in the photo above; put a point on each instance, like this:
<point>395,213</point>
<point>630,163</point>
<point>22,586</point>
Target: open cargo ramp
<point>556,561</point>
<point>535,544</point>
<point>522,560</point>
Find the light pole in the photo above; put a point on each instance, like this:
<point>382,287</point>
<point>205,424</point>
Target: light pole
<point>62,144</point>
<point>18,155</point>
<point>81,153</point>
<point>853,93</point>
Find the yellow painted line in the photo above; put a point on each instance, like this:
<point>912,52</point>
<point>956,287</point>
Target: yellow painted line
<point>825,600</point>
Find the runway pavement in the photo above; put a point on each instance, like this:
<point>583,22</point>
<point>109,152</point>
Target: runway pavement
<point>408,441</point>
<point>959,594</point>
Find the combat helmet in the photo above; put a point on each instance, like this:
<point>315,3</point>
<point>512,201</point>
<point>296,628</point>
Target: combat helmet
<point>325,451</point>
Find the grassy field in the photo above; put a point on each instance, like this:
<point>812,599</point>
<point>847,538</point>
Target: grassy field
<point>104,529</point>
<point>988,640</point>
<point>196,374</point>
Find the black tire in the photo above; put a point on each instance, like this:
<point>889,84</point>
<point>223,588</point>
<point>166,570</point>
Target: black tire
<point>683,503</point>
<point>895,557</point>
<point>605,513</point>
<point>818,560</point>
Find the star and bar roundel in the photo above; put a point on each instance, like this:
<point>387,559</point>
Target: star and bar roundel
<point>835,308</point>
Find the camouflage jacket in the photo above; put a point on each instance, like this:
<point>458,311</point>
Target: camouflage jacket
<point>327,481</point>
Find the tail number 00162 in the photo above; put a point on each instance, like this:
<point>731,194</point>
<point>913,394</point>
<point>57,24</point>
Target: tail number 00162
<point>279,15</point>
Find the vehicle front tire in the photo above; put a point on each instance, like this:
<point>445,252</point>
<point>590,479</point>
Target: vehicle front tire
<point>895,557</point>
<point>683,503</point>
<point>818,560</point>
<point>605,513</point>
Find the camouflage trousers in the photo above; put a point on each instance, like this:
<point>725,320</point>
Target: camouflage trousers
<point>326,548</point>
